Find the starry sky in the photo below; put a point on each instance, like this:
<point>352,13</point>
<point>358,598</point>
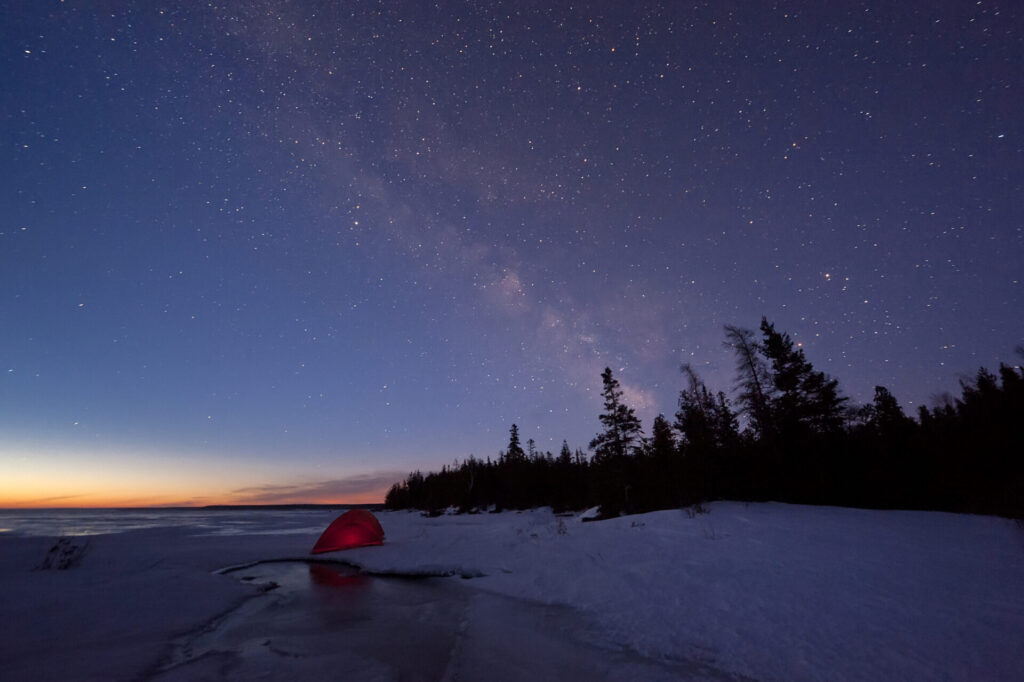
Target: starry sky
<point>289,251</point>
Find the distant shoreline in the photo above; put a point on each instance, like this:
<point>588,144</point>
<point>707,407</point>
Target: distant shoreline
<point>377,506</point>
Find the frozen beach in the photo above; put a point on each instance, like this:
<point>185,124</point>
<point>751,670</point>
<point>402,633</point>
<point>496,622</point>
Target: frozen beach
<point>743,592</point>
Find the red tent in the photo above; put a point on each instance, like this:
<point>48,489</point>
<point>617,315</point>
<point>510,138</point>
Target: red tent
<point>354,528</point>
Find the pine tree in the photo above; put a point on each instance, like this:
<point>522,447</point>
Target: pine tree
<point>802,398</point>
<point>704,421</point>
<point>565,454</point>
<point>728,425</point>
<point>622,436</point>
<point>622,430</point>
<point>887,416</point>
<point>515,450</point>
<point>754,380</point>
<point>662,444</point>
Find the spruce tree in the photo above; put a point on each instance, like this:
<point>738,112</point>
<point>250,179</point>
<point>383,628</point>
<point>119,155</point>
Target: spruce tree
<point>704,421</point>
<point>515,450</point>
<point>565,454</point>
<point>622,436</point>
<point>802,398</point>
<point>887,416</point>
<point>754,382</point>
<point>622,431</point>
<point>662,444</point>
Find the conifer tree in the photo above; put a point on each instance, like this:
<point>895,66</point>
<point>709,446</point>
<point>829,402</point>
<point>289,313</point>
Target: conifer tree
<point>565,454</point>
<point>801,397</point>
<point>754,380</point>
<point>622,436</point>
<point>662,444</point>
<point>704,421</point>
<point>622,430</point>
<point>887,416</point>
<point>515,450</point>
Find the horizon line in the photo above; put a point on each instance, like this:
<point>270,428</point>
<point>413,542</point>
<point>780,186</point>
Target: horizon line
<point>213,507</point>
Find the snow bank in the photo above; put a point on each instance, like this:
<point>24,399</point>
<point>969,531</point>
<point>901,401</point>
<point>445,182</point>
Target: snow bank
<point>761,591</point>
<point>768,591</point>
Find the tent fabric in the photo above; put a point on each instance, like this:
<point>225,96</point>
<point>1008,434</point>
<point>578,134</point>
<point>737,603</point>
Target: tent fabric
<point>354,528</point>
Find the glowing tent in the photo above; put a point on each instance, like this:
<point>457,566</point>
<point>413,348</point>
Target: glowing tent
<point>354,528</point>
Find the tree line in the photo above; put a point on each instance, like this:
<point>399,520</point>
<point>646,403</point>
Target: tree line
<point>788,434</point>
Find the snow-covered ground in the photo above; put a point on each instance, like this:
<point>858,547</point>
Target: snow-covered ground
<point>759,591</point>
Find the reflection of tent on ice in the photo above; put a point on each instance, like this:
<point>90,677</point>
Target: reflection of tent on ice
<point>354,528</point>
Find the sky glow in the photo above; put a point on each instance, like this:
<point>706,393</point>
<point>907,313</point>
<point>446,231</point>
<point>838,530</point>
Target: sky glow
<point>273,251</point>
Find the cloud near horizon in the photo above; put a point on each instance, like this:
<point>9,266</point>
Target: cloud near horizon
<point>340,490</point>
<point>41,501</point>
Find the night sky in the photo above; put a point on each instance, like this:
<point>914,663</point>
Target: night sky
<point>290,251</point>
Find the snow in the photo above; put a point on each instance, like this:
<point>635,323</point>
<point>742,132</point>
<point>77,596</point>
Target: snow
<point>758,591</point>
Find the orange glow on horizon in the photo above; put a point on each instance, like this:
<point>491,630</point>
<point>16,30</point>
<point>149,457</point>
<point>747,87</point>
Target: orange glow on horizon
<point>87,480</point>
<point>114,499</point>
<point>133,503</point>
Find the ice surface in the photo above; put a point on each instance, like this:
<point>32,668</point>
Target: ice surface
<point>759,591</point>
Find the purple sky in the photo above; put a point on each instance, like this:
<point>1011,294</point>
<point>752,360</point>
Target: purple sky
<point>267,246</point>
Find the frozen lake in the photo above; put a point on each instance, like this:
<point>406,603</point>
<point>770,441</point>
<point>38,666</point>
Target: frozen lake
<point>79,522</point>
<point>746,591</point>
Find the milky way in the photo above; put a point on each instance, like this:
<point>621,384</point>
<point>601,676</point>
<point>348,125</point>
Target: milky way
<point>350,239</point>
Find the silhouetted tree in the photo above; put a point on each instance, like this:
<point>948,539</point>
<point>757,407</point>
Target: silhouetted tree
<point>887,417</point>
<point>514,452</point>
<point>622,429</point>
<point>802,444</point>
<point>621,438</point>
<point>659,473</point>
<point>802,398</point>
<point>753,380</point>
<point>708,432</point>
<point>705,422</point>
<point>565,454</point>
<point>662,444</point>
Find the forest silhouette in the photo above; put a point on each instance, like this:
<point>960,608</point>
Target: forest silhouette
<point>787,435</point>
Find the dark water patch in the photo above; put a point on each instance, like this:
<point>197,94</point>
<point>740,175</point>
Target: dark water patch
<point>416,573</point>
<point>323,620</point>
